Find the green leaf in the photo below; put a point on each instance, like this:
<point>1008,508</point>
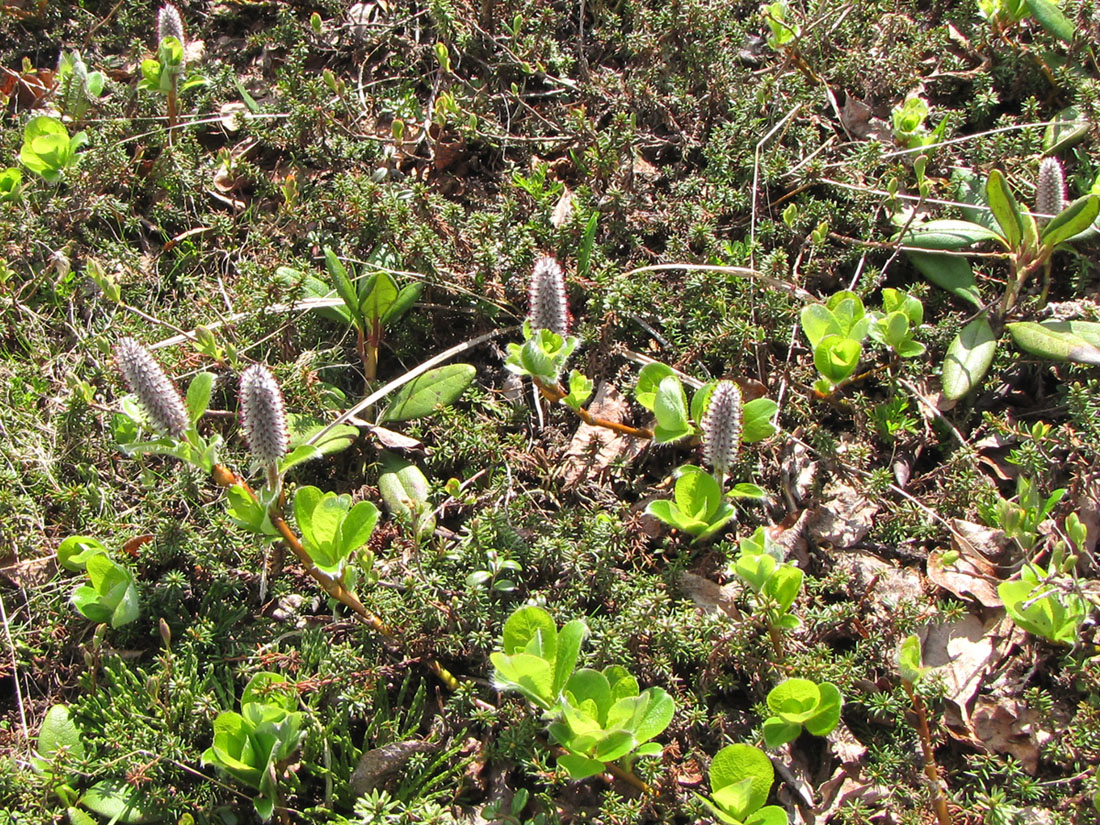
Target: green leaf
<point>299,455</point>
<point>909,660</point>
<point>749,491</point>
<point>343,284</point>
<point>580,767</point>
<point>406,298</point>
<point>697,494</point>
<point>768,815</point>
<point>783,586</point>
<point>649,379</point>
<point>755,569</point>
<point>701,399</point>
<point>737,763</point>
<point>404,489</point>
<point>357,527</point>
<point>306,500</point>
<point>948,272</point>
<point>198,395</point>
<point>58,733</point>
<point>119,801</point>
<point>1005,209</point>
<point>615,745</point>
<point>818,321</point>
<point>377,296</point>
<point>1053,340</point>
<point>588,686</point>
<point>668,513</point>
<point>78,817</point>
<point>569,642</point>
<point>1051,18</point>
<point>757,417</point>
<point>526,673</point>
<point>1074,219</point>
<point>529,623</point>
<point>302,428</point>
<point>947,234</point>
<point>825,720</point>
<point>584,251</point>
<point>426,393</point>
<point>968,358</point>
<point>795,699</point>
<point>836,357</point>
<point>645,716</point>
<point>778,732</point>
<point>580,390</point>
<point>73,553</point>
<point>670,407</point>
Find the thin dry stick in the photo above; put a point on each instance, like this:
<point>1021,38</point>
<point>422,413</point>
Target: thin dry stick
<point>14,669</point>
<point>939,797</point>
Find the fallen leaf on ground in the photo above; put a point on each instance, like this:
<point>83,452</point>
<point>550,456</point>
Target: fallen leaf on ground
<point>973,575</point>
<point>30,572</point>
<point>378,764</point>
<point>1009,726</point>
<point>593,449</point>
<point>845,518</point>
<point>711,596</point>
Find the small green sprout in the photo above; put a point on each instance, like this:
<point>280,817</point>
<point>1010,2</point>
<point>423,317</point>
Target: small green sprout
<point>11,185</point>
<point>893,327</point>
<point>798,704</point>
<point>782,25</point>
<point>698,506</point>
<point>48,151</point>
<point>537,659</point>
<point>836,330</point>
<point>1003,14</point>
<point>77,87</point>
<point>332,528</point>
<point>741,778</point>
<point>775,584</point>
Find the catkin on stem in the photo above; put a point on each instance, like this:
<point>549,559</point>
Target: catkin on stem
<point>722,428</point>
<point>548,308</point>
<point>155,391</point>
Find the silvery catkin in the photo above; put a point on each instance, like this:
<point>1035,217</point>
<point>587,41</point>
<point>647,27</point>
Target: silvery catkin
<point>155,391</point>
<point>547,307</point>
<point>722,427</point>
<point>264,415</point>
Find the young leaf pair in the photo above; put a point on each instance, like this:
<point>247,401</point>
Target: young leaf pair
<point>698,507</point>
<point>741,778</point>
<point>111,594</point>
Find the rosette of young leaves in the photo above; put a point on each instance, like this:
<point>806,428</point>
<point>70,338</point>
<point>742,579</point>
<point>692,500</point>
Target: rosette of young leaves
<point>1029,248</point>
<point>332,529</point>
<point>893,327</point>
<point>908,121</point>
<point>784,29</point>
<point>698,506</point>
<point>252,746</point>
<point>836,330</point>
<point>156,401</point>
<point>537,659</point>
<point>542,355</point>
<point>47,150</point>
<point>111,593</point>
<point>77,87</point>
<point>798,704</point>
<point>605,718</point>
<point>1043,602</point>
<point>661,392</point>
<point>741,778</point>
<point>371,303</point>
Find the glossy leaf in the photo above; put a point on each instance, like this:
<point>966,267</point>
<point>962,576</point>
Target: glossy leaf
<point>948,272</point>
<point>649,379</point>
<point>344,287</point>
<point>1005,208</point>
<point>947,235</point>
<point>1053,340</point>
<point>198,395</point>
<point>1074,219</point>
<point>119,801</point>
<point>1050,17</point>
<point>757,420</point>
<point>968,358</point>
<point>736,763</point>
<point>426,393</point>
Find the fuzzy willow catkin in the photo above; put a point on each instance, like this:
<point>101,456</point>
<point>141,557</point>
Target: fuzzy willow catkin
<point>1050,191</point>
<point>547,303</point>
<point>169,24</point>
<point>263,414</point>
<point>722,427</point>
<point>155,391</point>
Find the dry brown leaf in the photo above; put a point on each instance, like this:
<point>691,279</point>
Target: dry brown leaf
<point>563,209</point>
<point>859,121</point>
<point>964,653</point>
<point>1009,726</point>
<point>844,789</point>
<point>973,575</point>
<point>845,517</point>
<point>593,449</point>
<point>890,586</point>
<point>845,746</point>
<point>378,764</point>
<point>711,596</point>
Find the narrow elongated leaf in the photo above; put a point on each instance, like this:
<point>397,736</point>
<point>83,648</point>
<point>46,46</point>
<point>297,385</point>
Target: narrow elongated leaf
<point>968,358</point>
<point>1049,341</point>
<point>404,301</point>
<point>426,393</point>
<point>198,395</point>
<point>1051,18</point>
<point>1075,218</point>
<point>1005,209</point>
<point>343,284</point>
<point>948,234</point>
<point>378,296</point>
<point>949,272</point>
<point>570,638</point>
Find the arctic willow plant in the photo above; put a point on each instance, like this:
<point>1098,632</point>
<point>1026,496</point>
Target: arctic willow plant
<point>163,74</point>
<point>597,717</point>
<point>1029,242</point>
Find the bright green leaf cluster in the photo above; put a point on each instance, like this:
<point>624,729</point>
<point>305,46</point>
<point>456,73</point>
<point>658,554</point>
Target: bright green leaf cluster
<point>782,25</point>
<point>47,150</point>
<point>698,506</point>
<point>542,355</point>
<point>1043,602</point>
<point>836,330</point>
<point>775,583</point>
<point>162,74</point>
<point>893,327</point>
<point>111,594</point>
<point>596,716</point>
<point>11,185</point>
<point>798,704</point>
<point>250,745</point>
<point>332,528</point>
<point>741,778</point>
<point>192,447</point>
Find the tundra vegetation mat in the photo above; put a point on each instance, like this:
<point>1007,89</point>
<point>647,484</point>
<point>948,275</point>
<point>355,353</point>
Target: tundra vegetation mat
<point>624,411</point>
